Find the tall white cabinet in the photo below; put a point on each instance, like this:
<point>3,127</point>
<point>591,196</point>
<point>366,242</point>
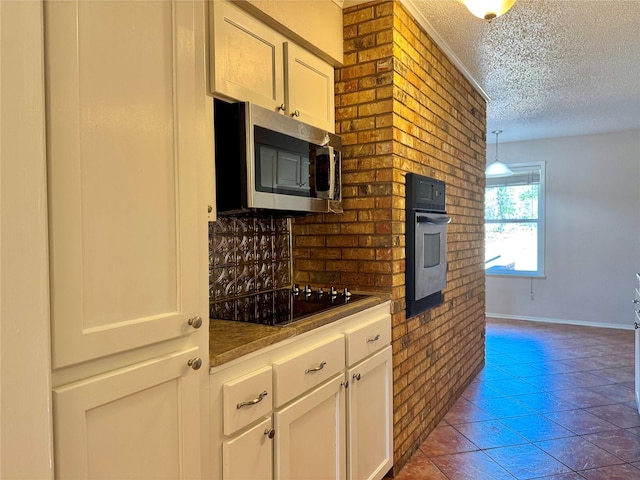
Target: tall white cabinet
<point>128,132</point>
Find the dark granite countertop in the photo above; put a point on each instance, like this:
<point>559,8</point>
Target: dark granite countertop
<point>229,340</point>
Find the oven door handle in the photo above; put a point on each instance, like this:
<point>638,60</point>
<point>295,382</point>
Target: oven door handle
<point>433,220</point>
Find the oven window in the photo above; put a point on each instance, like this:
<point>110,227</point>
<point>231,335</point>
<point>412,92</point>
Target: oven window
<point>431,250</point>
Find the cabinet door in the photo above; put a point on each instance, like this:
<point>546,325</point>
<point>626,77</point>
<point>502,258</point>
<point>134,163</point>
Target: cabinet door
<point>249,456</point>
<point>310,435</point>
<point>138,422</point>
<point>123,100</point>
<point>369,417</point>
<point>247,62</point>
<point>309,88</point>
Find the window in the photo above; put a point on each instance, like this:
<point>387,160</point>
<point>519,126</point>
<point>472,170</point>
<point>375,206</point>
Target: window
<point>514,222</point>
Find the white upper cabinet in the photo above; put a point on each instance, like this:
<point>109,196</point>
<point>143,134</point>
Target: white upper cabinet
<point>247,57</point>
<point>122,109</point>
<point>252,62</point>
<point>309,88</point>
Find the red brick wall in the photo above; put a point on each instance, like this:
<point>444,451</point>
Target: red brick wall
<point>402,106</point>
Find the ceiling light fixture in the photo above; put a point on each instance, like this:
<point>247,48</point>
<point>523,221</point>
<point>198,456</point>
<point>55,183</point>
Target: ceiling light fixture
<point>488,9</point>
<point>497,168</point>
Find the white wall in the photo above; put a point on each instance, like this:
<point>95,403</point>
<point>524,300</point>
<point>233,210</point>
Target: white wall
<point>592,232</point>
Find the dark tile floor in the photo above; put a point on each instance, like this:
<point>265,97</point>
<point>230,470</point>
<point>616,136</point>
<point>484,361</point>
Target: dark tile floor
<point>553,402</point>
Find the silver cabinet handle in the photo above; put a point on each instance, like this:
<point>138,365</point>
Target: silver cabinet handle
<point>316,369</point>
<point>282,107</point>
<point>635,301</point>
<point>357,376</point>
<point>636,325</point>
<point>195,363</point>
<point>373,339</point>
<point>270,433</point>
<point>345,384</point>
<point>252,402</point>
<point>195,322</point>
<point>296,113</point>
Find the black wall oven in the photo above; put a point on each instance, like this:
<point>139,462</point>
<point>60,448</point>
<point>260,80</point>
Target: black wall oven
<point>426,243</point>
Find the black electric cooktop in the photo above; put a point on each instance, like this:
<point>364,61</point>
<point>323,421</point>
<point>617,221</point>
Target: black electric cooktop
<point>282,307</point>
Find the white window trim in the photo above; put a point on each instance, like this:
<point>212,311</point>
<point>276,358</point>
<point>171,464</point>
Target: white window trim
<point>540,272</point>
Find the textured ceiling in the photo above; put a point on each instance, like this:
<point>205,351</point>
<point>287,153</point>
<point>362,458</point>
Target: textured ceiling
<point>550,68</point>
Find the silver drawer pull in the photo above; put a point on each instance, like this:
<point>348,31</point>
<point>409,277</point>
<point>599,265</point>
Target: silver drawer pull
<point>252,402</point>
<point>374,339</point>
<point>317,369</point>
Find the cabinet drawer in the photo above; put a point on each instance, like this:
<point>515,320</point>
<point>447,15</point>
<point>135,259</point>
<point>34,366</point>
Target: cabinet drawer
<point>304,370</point>
<point>246,399</point>
<point>367,338</point>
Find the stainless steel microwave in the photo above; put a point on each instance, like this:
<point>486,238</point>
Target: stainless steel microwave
<point>268,161</point>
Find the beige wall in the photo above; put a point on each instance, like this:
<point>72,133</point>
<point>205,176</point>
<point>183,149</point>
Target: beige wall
<point>592,231</point>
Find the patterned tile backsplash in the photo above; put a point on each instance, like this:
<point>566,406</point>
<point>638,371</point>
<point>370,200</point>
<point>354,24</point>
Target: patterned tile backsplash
<point>247,256</point>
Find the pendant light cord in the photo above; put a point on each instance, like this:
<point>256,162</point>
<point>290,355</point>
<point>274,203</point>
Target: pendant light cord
<point>497,132</point>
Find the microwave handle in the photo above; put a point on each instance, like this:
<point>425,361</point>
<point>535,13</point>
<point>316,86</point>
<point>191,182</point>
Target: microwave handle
<point>332,173</point>
<point>434,221</point>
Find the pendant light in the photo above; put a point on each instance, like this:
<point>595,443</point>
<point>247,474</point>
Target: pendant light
<point>497,168</point>
<point>488,9</point>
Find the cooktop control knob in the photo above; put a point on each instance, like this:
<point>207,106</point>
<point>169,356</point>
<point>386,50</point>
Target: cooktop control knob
<point>347,293</point>
<point>320,291</point>
<point>333,292</point>
<point>295,289</point>
<point>307,289</point>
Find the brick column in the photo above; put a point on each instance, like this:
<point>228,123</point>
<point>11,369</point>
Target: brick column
<point>402,106</point>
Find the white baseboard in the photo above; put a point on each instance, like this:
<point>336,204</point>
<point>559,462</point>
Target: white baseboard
<point>560,321</point>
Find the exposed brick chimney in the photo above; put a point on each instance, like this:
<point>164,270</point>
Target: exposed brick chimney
<point>402,106</point>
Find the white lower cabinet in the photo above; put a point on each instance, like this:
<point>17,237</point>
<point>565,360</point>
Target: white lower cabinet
<point>310,435</point>
<point>369,417</point>
<point>249,455</point>
<point>316,406</point>
<point>141,422</point>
